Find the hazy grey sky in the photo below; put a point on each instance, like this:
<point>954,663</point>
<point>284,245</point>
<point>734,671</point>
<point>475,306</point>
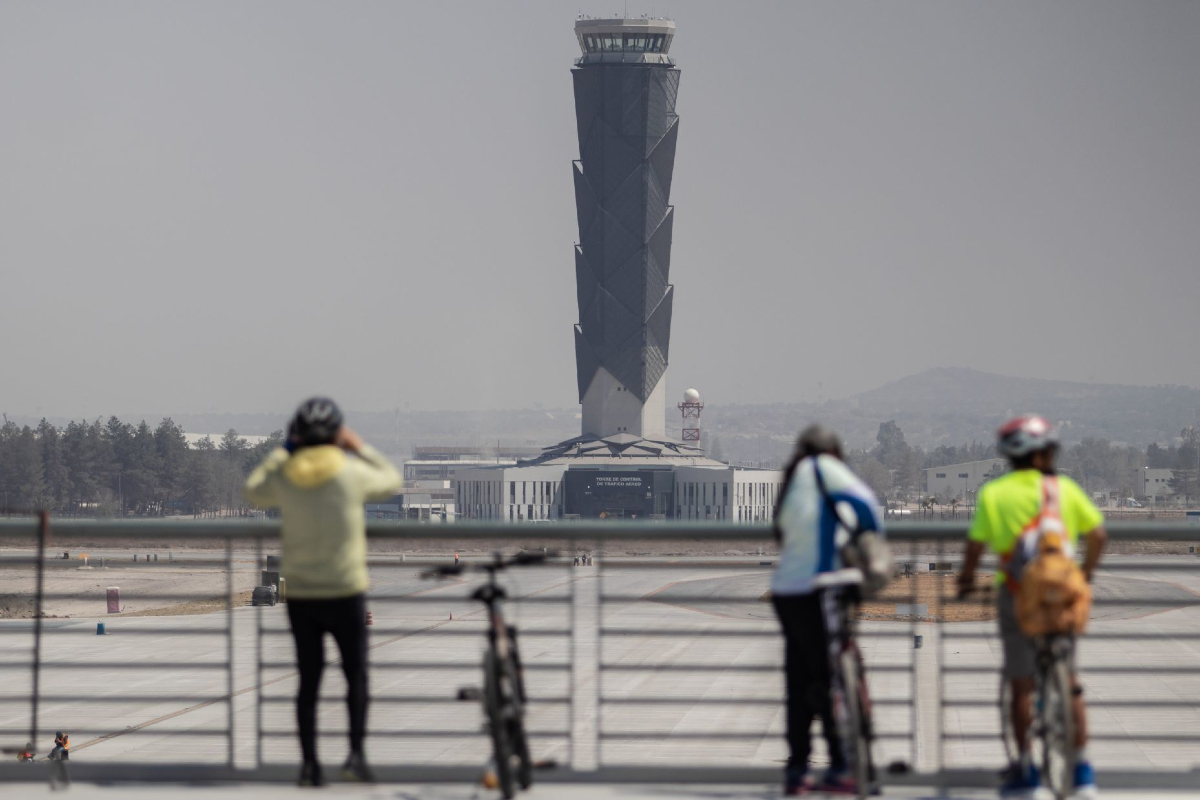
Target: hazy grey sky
<point>230,206</point>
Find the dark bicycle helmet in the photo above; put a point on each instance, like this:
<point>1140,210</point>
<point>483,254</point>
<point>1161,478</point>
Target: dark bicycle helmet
<point>1019,437</point>
<point>315,422</point>
<point>818,440</point>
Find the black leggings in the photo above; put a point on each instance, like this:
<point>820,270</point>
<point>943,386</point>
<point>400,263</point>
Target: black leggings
<point>809,677</point>
<point>346,619</point>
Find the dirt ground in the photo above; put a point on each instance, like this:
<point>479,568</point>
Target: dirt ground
<point>923,588</point>
<point>927,586</point>
<point>71,592</point>
<point>191,607</point>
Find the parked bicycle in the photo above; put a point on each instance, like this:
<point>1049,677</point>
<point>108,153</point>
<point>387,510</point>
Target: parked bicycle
<point>1052,724</point>
<point>503,693</point>
<point>856,699</point>
<point>1052,727</point>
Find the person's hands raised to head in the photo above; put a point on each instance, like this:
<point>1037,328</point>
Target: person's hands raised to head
<point>348,440</point>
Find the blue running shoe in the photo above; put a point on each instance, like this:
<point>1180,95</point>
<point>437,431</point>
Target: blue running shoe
<point>1085,782</point>
<point>1020,784</point>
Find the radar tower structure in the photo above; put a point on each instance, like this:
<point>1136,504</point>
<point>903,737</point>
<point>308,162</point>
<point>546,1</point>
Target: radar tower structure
<point>691,408</point>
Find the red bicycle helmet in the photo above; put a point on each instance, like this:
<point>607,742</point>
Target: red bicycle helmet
<point>1024,435</point>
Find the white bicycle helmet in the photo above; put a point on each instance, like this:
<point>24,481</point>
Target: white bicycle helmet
<point>1024,435</point>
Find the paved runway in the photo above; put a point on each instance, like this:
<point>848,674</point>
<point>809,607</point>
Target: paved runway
<point>724,709</point>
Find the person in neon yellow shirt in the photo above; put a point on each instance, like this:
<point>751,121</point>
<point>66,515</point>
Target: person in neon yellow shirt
<point>1006,506</point>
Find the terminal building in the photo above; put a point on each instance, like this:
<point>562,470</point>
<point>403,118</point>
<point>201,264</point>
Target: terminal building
<point>623,465</point>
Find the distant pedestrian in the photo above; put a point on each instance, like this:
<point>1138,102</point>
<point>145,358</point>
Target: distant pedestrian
<point>320,480</point>
<point>456,558</point>
<point>62,747</point>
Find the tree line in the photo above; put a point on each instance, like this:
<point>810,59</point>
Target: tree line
<point>893,468</point>
<point>115,468</point>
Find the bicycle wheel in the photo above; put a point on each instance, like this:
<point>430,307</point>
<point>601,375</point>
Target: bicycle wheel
<point>1057,726</point>
<point>520,743</point>
<point>858,723</point>
<point>1011,753</point>
<point>497,704</point>
<point>517,736</point>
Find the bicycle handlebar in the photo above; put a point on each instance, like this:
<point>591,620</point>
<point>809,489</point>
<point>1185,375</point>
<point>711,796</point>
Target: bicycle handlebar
<point>497,564</point>
<point>985,591</point>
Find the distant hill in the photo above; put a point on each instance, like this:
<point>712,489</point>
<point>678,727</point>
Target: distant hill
<point>953,405</point>
<point>1132,414</point>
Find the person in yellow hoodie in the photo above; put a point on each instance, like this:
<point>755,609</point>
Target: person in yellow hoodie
<point>320,481</point>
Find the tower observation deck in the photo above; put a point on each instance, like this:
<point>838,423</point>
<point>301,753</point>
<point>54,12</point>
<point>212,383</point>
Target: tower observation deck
<point>625,88</point>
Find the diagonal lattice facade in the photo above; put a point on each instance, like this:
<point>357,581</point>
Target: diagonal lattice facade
<point>627,132</point>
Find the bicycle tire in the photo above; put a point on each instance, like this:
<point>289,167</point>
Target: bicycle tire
<point>521,752</point>
<point>1011,753</point>
<point>1057,726</point>
<point>517,735</point>
<point>858,725</point>
<point>498,725</point>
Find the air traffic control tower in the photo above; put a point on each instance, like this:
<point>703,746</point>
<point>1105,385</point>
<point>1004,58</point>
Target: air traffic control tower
<point>622,466</point>
<point>625,88</point>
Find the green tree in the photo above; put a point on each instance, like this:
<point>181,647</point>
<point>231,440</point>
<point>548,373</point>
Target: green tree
<point>234,454</point>
<point>8,473</point>
<point>875,475</point>
<point>54,464</point>
<point>30,484</point>
<point>200,483</point>
<point>1183,483</point>
<point>891,449</point>
<point>171,450</point>
<point>1160,457</point>
<point>140,477</point>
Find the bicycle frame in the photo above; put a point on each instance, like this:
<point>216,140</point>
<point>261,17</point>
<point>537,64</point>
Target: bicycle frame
<point>503,693</point>
<point>853,707</point>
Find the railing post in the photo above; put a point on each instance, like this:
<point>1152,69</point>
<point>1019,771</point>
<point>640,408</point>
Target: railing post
<point>586,669</point>
<point>571,749</point>
<point>43,530</point>
<point>258,669</point>
<point>229,644</point>
<point>598,700</point>
<point>940,621</point>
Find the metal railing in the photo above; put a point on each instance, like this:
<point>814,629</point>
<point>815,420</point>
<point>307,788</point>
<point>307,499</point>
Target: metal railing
<point>632,676</point>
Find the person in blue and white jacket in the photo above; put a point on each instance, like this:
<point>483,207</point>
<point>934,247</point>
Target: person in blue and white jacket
<point>823,504</point>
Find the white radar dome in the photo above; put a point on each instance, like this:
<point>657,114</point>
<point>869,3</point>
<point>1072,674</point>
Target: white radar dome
<point>691,396</point>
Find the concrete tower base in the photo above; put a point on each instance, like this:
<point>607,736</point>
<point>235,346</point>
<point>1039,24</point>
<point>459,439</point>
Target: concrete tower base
<point>610,408</point>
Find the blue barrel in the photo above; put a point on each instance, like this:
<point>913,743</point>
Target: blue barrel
<point>99,628</point>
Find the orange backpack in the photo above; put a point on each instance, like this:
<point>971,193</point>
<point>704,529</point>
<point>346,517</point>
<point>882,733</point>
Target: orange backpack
<point>1051,594</point>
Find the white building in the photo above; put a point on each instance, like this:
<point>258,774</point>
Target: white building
<point>962,480</point>
<point>415,503</point>
<point>1152,482</point>
<point>618,477</point>
<point>440,462</point>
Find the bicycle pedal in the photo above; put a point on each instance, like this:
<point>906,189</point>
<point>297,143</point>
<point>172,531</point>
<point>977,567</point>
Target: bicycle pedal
<point>468,693</point>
